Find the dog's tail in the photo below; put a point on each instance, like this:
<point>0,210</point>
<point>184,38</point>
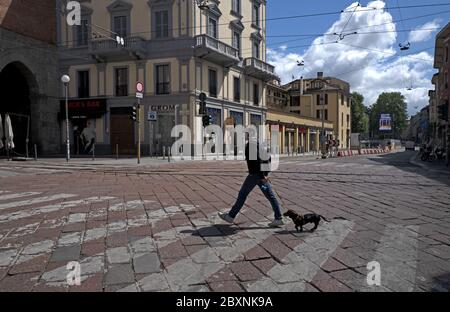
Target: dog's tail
<point>322,217</point>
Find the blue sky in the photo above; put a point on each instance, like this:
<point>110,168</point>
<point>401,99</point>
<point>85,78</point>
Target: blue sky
<point>372,63</point>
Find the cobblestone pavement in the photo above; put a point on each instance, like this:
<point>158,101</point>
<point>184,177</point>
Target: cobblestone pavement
<point>155,228</point>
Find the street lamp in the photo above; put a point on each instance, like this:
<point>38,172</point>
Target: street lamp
<point>65,80</point>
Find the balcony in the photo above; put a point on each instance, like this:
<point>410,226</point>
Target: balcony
<point>109,50</point>
<point>259,69</point>
<point>216,51</point>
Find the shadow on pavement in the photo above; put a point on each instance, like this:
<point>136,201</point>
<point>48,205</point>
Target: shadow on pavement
<point>403,162</point>
<point>443,281</point>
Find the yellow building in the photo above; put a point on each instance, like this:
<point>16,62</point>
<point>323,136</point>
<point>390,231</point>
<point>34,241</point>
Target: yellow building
<point>297,133</point>
<point>323,95</point>
<point>177,49</point>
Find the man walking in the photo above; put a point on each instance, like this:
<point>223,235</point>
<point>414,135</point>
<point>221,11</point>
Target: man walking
<point>258,171</point>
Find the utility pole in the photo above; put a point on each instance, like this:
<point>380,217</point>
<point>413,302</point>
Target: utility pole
<point>139,131</point>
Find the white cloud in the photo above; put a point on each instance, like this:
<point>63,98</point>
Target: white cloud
<point>424,32</point>
<point>371,63</point>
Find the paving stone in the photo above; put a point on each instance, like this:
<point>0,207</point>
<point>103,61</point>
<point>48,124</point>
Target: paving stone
<point>68,253</point>
<point>119,274</point>
<point>226,286</point>
<point>118,255</point>
<point>147,263</point>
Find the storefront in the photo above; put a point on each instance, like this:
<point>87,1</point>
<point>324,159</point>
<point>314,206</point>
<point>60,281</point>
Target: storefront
<point>86,124</point>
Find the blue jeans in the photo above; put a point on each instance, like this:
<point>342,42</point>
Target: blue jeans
<point>251,181</point>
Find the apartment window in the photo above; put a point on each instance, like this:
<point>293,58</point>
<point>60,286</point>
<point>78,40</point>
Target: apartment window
<point>82,32</point>
<point>120,25</point>
<point>342,119</point>
<point>295,101</point>
<point>212,27</point>
<point>326,99</point>
<point>162,79</point>
<point>342,99</point>
<point>212,75</point>
<point>121,81</point>
<point>255,94</point>
<point>256,50</point>
<point>348,119</point>
<point>83,84</point>
<point>162,24</point>
<point>446,54</point>
<point>237,89</point>
<point>326,114</point>
<point>318,99</point>
<point>237,41</point>
<point>318,114</point>
<point>237,6</point>
<point>255,15</point>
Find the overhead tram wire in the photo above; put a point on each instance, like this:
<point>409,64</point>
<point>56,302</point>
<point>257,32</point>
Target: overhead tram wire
<point>400,45</point>
<point>299,16</point>
<point>342,35</point>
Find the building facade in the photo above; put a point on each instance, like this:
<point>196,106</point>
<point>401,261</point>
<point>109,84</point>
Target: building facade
<point>440,97</point>
<point>177,49</point>
<point>29,75</point>
<point>297,134</point>
<point>324,98</point>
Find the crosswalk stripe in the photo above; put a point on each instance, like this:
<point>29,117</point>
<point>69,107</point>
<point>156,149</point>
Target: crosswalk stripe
<point>195,269</point>
<point>16,215</point>
<point>35,201</point>
<point>397,256</point>
<point>57,275</point>
<point>18,195</point>
<point>301,265</point>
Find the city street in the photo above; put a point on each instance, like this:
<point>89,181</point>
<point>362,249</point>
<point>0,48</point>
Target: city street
<point>154,227</point>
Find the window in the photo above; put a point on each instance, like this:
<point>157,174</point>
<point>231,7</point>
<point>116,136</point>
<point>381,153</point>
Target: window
<point>318,114</point>
<point>342,99</point>
<point>83,84</point>
<point>121,82</point>
<point>318,99</point>
<point>162,79</point>
<point>348,119</point>
<point>295,101</point>
<point>236,6</point>
<point>212,27</point>
<point>446,54</point>
<point>120,25</point>
<point>342,119</point>
<point>446,80</point>
<point>162,24</point>
<point>255,94</point>
<point>82,32</point>
<point>212,75</point>
<point>256,50</point>
<point>255,15</point>
<point>237,89</point>
<point>237,41</point>
<point>326,114</point>
<point>326,99</point>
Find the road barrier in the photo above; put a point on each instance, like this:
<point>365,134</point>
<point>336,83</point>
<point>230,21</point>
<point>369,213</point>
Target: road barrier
<point>365,151</point>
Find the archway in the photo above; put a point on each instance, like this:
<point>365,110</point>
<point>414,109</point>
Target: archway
<point>17,87</point>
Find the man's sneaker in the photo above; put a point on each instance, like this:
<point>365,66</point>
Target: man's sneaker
<point>226,217</point>
<point>276,223</point>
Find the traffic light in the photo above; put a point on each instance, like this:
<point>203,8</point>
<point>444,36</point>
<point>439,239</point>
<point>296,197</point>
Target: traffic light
<point>443,112</point>
<point>202,110</point>
<point>133,113</point>
<point>206,120</point>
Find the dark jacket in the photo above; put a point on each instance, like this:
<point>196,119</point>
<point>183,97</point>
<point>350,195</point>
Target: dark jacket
<point>254,166</point>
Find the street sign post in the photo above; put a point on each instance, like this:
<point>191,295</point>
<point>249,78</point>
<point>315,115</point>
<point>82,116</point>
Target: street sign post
<point>139,95</point>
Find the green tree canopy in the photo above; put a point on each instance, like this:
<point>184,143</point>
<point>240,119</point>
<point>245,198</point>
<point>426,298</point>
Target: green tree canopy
<point>360,119</point>
<point>392,103</point>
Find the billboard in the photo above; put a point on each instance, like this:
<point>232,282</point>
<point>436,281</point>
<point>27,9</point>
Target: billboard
<point>385,122</point>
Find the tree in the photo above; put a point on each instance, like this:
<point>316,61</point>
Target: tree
<point>360,119</point>
<point>392,103</point>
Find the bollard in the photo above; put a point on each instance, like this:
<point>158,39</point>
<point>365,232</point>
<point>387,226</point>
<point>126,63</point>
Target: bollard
<point>93,152</point>
<point>117,151</point>
<point>35,152</point>
<point>168,154</point>
<point>164,152</point>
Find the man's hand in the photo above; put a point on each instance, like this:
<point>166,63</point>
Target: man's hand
<point>265,180</point>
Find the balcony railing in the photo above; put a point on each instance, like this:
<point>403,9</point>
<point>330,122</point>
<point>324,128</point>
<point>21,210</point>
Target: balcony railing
<point>216,50</point>
<point>259,69</point>
<point>108,46</point>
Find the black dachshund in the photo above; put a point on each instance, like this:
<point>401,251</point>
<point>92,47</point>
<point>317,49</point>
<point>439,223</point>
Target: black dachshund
<point>301,220</point>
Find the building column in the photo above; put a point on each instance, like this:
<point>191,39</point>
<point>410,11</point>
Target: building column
<point>282,139</point>
<point>307,143</point>
<point>296,140</point>
<point>317,147</point>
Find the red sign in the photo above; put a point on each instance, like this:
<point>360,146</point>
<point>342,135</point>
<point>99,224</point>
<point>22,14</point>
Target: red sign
<point>89,107</point>
<point>139,87</point>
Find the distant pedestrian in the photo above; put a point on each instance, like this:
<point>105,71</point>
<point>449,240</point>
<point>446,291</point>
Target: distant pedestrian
<point>257,176</point>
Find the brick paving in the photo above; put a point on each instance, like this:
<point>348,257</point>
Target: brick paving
<point>155,227</point>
